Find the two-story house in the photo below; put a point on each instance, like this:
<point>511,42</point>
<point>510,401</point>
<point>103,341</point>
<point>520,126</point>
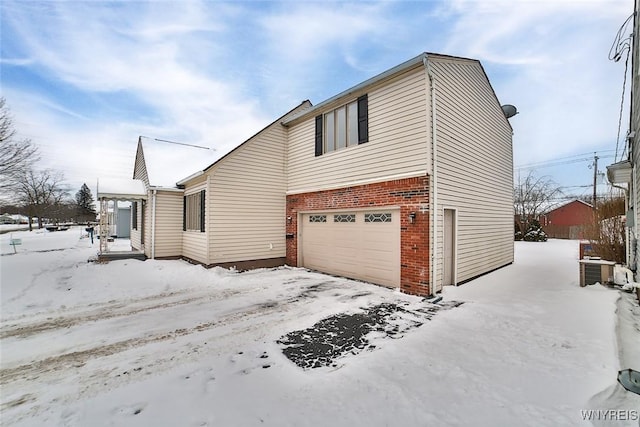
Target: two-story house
<point>404,180</point>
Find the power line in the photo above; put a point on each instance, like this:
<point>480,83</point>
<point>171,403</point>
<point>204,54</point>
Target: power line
<point>573,156</point>
<point>622,42</point>
<point>619,43</point>
<point>624,85</point>
<point>577,186</point>
<point>551,163</point>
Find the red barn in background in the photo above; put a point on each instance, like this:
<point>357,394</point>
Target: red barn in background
<point>567,221</point>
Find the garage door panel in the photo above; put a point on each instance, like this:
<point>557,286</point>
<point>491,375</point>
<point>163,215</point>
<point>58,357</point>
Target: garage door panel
<point>358,249</point>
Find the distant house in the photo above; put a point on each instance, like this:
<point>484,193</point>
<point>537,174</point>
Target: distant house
<point>6,218</point>
<point>404,180</point>
<point>567,221</point>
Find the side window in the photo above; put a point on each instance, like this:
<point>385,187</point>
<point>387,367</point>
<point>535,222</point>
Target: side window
<point>346,126</point>
<point>134,215</point>
<point>193,212</point>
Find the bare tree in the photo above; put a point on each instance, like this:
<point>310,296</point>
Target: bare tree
<point>16,156</point>
<point>607,231</point>
<point>531,197</point>
<point>40,192</point>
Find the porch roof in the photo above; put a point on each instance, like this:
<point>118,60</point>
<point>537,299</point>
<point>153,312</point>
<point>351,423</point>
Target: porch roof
<point>121,189</point>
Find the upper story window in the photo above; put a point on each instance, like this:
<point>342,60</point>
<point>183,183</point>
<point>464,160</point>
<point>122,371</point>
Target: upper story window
<point>345,126</point>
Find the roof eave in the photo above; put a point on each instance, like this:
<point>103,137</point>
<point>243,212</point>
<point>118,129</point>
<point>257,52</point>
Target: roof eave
<point>189,178</point>
<point>619,173</point>
<point>413,62</point>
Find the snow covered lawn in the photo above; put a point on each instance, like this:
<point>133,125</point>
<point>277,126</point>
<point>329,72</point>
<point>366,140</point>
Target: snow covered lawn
<point>166,343</point>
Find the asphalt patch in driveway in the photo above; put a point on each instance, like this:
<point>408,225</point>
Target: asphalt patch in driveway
<point>337,336</point>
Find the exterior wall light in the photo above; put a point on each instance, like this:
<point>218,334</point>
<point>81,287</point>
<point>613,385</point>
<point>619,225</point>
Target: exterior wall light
<point>412,217</point>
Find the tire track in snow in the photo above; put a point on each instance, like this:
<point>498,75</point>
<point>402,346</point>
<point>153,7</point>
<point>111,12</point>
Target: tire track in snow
<point>111,310</point>
<point>76,359</point>
<point>94,369</point>
<point>79,358</point>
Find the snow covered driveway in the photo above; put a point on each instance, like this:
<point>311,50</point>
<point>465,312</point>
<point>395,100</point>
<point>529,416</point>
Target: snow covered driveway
<point>169,343</point>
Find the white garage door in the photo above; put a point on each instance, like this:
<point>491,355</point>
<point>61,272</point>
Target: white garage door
<point>360,245</point>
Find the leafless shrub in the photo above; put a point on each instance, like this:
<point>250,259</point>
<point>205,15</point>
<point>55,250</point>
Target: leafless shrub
<point>607,230</point>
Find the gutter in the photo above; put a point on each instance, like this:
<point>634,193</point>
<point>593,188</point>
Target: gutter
<point>434,161</point>
<point>189,178</point>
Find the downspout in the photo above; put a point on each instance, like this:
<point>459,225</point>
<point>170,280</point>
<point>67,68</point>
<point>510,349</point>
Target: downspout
<point>434,176</point>
<point>207,216</point>
<point>632,255</point>
<point>153,224</point>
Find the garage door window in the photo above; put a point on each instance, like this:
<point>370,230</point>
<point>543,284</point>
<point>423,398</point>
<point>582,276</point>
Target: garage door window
<point>317,218</point>
<point>344,218</point>
<point>377,217</point>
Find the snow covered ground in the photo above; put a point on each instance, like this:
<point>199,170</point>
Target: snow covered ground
<point>167,343</point>
<point>5,228</point>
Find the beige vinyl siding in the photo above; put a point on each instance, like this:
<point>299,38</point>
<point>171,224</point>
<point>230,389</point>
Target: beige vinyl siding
<point>140,167</point>
<point>194,243</point>
<point>140,172</point>
<point>168,224</point>
<point>247,200</point>
<point>475,169</point>
<point>397,147</point>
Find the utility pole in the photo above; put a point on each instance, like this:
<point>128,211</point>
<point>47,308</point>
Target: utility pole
<point>595,177</point>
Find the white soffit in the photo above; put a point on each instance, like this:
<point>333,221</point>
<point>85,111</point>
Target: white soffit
<point>619,173</point>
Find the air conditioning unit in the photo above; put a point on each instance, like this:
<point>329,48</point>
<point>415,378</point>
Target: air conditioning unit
<point>595,271</point>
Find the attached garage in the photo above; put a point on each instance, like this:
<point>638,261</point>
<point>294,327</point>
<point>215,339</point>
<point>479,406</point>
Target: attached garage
<point>361,245</point>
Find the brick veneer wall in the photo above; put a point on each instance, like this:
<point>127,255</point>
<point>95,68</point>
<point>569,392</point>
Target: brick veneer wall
<point>409,194</point>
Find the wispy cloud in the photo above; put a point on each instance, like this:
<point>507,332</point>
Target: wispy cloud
<point>92,76</point>
<point>146,53</point>
<point>551,61</point>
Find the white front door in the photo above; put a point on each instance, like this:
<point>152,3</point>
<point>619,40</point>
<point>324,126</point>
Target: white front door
<point>448,248</point>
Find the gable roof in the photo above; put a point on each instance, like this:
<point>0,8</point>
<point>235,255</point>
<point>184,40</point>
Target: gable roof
<point>303,106</point>
<point>419,60</point>
<point>568,203</point>
<point>162,164</point>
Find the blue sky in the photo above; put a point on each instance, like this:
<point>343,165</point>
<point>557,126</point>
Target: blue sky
<point>85,79</point>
